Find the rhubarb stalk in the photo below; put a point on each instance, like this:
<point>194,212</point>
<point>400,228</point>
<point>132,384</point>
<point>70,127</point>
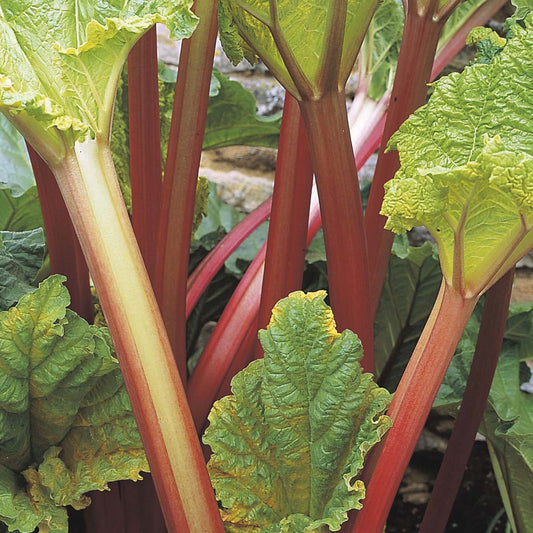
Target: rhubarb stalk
<point>181,175</point>
<point>145,145</point>
<point>88,184</point>
<point>488,346</point>
<point>287,231</point>
<point>64,249</point>
<point>410,408</point>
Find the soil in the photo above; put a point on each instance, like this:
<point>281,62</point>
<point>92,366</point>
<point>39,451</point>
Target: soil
<point>476,505</point>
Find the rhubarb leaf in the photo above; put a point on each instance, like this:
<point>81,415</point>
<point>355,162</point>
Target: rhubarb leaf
<point>508,420</point>
<point>379,53</point>
<point>56,77</point>
<point>412,283</point>
<point>17,174</point>
<point>66,425</point>
<point>289,443</point>
<point>301,64</point>
<point>467,168</point>
<point>21,257</point>
<point>232,118</point>
<point>22,213</point>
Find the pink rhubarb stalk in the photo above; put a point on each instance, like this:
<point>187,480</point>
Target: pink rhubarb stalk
<point>181,174</point>
<point>411,405</point>
<point>423,25</point>
<point>488,346</point>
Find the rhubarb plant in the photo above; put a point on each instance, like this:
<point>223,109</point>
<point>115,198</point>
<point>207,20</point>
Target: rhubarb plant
<point>466,175</point>
<point>59,68</point>
<point>289,443</point>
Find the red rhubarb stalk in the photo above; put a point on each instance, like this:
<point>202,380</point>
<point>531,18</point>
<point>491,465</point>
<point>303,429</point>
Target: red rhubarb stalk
<point>64,249</point>
<point>145,145</point>
<point>181,175</point>
<point>342,215</point>
<point>287,231</point>
<point>411,405</point>
<point>488,346</point>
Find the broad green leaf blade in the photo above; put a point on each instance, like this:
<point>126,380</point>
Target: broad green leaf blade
<point>278,32</point>
<point>232,118</point>
<point>66,425</point>
<point>21,257</point>
<point>290,442</point>
<point>409,292</point>
<point>508,420</point>
<point>60,61</point>
<point>22,213</point>
<point>466,170</point>
<point>16,174</point>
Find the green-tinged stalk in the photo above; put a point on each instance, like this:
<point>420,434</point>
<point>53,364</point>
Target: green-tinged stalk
<point>89,187</point>
<point>287,231</point>
<point>342,215</point>
<point>411,405</point>
<point>64,249</point>
<point>488,346</point>
<point>181,175</point>
<point>415,62</point>
<point>145,146</point>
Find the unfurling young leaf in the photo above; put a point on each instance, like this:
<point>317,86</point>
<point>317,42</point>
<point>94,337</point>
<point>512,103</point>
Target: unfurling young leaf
<point>469,177</point>
<point>289,444</point>
<point>66,425</point>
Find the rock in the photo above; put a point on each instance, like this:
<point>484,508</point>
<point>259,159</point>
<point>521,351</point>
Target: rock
<point>244,192</point>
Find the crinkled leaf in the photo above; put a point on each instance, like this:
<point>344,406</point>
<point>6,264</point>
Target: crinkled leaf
<point>508,420</point>
<point>249,27</point>
<point>466,169</point>
<point>61,60</point>
<point>16,173</point>
<point>66,425</point>
<point>412,283</point>
<point>21,256</point>
<point>289,444</point>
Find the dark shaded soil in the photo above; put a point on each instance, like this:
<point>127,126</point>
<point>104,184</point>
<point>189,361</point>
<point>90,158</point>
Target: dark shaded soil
<point>477,503</point>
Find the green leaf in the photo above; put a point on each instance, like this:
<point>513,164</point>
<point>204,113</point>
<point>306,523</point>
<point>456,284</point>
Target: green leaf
<point>508,420</point>
<point>303,66</point>
<point>21,257</point>
<point>466,169</point>
<point>289,444</point>
<point>66,425</point>
<point>232,118</point>
<point>60,62</point>
<point>379,53</point>
<point>458,17</point>
<point>410,289</point>
<point>17,173</point>
<point>22,213</point>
